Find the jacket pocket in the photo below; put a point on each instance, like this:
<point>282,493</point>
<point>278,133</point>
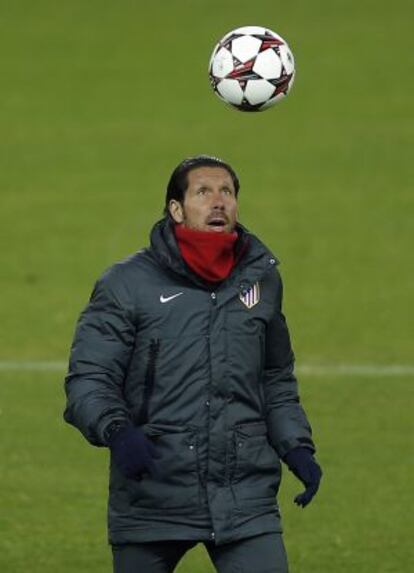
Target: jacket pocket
<point>175,483</point>
<point>149,380</point>
<point>257,465</point>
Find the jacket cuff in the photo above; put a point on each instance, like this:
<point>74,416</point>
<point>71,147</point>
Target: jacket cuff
<point>285,446</point>
<point>112,429</point>
<point>107,426</point>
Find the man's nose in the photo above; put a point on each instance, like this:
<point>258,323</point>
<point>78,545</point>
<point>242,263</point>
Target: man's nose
<point>217,200</point>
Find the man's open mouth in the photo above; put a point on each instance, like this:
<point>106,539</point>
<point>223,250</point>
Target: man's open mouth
<point>217,223</point>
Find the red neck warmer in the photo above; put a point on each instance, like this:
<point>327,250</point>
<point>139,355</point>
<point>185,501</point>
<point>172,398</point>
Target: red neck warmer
<point>209,254</point>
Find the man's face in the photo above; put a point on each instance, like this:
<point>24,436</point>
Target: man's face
<point>210,202</point>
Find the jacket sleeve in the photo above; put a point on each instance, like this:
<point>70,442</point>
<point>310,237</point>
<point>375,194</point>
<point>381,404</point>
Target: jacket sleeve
<point>288,426</point>
<point>99,360</point>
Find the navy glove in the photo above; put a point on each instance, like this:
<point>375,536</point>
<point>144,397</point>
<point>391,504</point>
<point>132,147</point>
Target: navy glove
<point>132,452</point>
<point>302,464</point>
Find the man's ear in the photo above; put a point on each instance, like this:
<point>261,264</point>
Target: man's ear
<point>176,210</point>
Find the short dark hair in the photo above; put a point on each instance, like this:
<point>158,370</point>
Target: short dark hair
<point>178,183</point>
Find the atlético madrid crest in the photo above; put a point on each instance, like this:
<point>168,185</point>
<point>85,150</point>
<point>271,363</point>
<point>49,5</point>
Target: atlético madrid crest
<point>251,297</point>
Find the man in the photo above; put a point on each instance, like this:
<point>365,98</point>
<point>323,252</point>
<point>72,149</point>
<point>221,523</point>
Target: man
<point>182,365</point>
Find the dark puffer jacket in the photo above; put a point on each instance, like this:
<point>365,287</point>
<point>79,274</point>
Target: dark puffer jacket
<point>208,374</point>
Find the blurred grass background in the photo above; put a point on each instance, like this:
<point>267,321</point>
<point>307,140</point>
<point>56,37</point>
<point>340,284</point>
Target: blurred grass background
<point>98,103</point>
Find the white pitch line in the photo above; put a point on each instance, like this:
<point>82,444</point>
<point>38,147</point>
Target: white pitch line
<point>373,370</point>
<point>356,370</point>
<point>32,365</point>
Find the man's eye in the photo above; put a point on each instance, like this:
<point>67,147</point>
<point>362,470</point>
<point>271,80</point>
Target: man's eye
<point>201,191</point>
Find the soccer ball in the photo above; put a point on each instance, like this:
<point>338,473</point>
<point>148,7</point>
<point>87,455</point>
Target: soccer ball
<point>252,68</point>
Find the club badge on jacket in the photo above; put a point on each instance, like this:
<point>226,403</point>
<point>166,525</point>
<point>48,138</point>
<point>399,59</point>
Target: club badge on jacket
<point>251,297</point>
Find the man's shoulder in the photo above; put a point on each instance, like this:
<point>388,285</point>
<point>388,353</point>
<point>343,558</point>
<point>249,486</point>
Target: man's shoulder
<point>132,263</point>
<point>127,272</point>
<point>268,258</point>
<point>256,245</point>
<point>121,282</point>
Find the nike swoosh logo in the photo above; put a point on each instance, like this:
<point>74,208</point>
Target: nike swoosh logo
<point>168,298</point>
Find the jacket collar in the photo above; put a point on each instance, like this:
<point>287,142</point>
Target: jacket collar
<point>254,258</point>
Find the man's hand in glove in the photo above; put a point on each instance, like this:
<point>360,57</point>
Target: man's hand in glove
<point>132,452</point>
<point>302,464</point>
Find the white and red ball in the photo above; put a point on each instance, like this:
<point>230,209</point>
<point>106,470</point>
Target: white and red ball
<point>252,68</point>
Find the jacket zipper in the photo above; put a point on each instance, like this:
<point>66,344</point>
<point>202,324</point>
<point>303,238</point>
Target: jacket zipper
<point>149,379</point>
<point>210,376</point>
<point>214,303</point>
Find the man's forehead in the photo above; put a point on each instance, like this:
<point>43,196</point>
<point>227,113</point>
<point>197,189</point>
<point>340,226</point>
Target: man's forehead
<point>209,175</point>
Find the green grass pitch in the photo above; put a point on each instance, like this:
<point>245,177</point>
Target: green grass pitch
<point>99,101</point>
